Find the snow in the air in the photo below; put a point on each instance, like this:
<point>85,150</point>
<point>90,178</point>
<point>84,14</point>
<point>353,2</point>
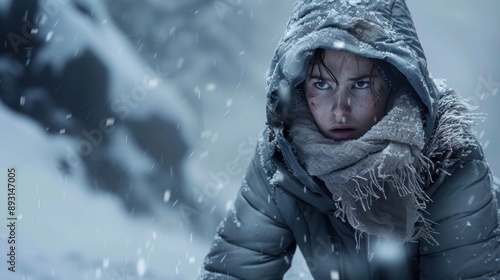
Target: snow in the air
<point>184,71</point>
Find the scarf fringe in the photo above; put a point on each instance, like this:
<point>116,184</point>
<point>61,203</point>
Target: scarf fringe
<point>407,182</point>
<point>382,193</point>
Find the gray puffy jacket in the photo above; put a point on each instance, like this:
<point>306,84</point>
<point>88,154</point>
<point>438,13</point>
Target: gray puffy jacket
<point>280,207</point>
<point>272,215</point>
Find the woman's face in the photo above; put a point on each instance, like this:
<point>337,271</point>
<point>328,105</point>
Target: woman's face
<point>342,102</point>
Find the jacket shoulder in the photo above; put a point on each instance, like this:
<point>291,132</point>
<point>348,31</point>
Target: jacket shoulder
<point>465,214</point>
<point>253,235</point>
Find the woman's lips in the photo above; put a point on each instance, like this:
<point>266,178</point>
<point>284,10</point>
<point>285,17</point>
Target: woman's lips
<point>342,133</point>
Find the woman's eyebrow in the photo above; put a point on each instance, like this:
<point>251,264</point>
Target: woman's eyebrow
<point>362,77</point>
<point>319,77</point>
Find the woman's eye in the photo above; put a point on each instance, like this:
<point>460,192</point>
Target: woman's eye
<point>321,85</point>
<point>361,85</point>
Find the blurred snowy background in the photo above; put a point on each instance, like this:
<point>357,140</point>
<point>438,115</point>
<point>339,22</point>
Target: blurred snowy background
<point>131,123</point>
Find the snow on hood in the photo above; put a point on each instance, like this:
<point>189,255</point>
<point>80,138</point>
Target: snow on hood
<point>381,29</point>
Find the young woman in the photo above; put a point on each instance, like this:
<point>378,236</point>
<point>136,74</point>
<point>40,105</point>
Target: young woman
<point>364,152</point>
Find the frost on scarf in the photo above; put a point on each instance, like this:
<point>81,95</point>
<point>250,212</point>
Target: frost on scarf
<point>453,136</point>
<point>388,200</point>
<point>376,180</point>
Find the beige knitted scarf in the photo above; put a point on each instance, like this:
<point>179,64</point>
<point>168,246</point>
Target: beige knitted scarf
<point>376,180</point>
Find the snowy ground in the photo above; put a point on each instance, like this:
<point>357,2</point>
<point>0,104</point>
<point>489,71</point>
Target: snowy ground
<point>64,231</point>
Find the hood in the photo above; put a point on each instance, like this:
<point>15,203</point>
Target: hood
<point>380,29</point>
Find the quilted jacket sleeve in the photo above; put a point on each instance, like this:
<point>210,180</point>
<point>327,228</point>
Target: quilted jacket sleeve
<point>466,212</point>
<point>252,242</point>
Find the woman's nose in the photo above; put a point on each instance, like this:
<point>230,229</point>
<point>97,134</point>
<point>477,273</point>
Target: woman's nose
<point>341,103</point>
